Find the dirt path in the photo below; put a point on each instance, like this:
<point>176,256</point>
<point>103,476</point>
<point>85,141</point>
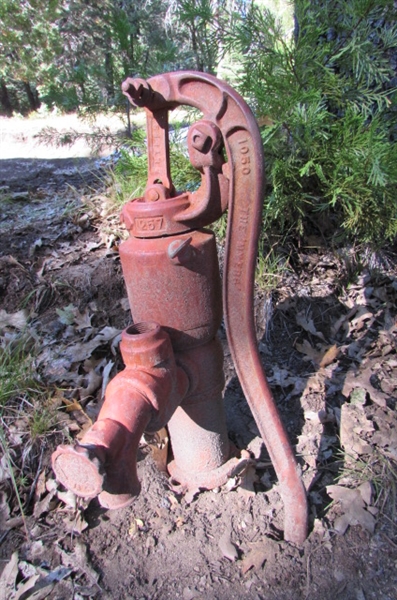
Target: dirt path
<point>328,344</point>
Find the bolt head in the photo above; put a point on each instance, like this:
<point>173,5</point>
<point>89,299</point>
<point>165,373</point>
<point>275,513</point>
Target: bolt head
<point>152,195</point>
<point>201,141</point>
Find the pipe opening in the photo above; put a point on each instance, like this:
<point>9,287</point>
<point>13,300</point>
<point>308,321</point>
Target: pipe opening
<point>141,328</point>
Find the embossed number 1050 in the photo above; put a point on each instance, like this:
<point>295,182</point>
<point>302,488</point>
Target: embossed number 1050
<point>245,159</point>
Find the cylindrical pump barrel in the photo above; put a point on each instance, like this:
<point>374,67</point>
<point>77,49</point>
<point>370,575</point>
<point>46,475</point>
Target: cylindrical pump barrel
<point>175,282</point>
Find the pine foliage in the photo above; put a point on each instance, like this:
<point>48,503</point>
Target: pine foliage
<point>327,95</point>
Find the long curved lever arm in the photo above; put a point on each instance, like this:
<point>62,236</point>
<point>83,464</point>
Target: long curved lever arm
<point>223,106</point>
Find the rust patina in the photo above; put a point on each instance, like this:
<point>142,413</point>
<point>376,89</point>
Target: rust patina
<point>173,359</point>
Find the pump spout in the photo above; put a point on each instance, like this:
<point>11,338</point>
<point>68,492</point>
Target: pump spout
<point>141,398</point>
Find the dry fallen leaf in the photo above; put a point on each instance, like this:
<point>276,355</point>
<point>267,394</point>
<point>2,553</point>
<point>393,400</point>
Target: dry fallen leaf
<point>362,379</point>
<point>44,505</point>
<point>323,356</point>
<point>25,587</point>
<point>39,588</point>
<point>136,526</point>
<point>68,498</point>
<point>124,303</point>
<point>386,435</point>
<point>247,479</point>
<point>190,494</point>
<point>82,320</point>
<point>329,356</point>
<point>285,379</point>
<point>66,315</point>
<point>4,511</point>
<point>173,500</point>
<point>308,448</point>
<point>342,321</point>
<point>254,559</point>
<point>354,425</point>
<point>308,325</point>
<point>72,405</point>
<point>227,548</point>
<point>93,382</point>
<point>77,412</point>
<point>354,503</point>
<point>75,522</point>
<point>105,377</point>
<point>16,320</point>
<point>8,577</point>
<point>83,561</point>
<point>314,385</point>
<point>310,352</point>
<point>363,315</point>
<point>40,486</point>
<point>231,484</point>
<point>80,351</point>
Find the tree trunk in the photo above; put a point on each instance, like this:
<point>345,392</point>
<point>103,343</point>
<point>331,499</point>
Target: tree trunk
<point>195,48</point>
<point>129,130</point>
<point>5,99</point>
<point>109,74</point>
<point>33,97</point>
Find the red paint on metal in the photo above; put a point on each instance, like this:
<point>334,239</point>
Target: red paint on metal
<point>181,292</point>
<point>140,398</point>
<point>172,277</point>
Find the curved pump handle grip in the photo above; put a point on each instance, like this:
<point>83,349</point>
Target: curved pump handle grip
<point>227,110</point>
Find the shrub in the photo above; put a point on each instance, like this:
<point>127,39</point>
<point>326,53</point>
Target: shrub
<point>327,97</point>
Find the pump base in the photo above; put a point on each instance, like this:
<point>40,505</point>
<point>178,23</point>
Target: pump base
<point>209,480</point>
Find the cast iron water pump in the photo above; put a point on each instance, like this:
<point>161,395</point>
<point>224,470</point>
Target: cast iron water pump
<point>173,372</point>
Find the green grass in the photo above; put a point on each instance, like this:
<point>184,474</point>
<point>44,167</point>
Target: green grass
<point>42,418</point>
<point>27,416</point>
<point>129,176</point>
<point>381,471</point>
<point>16,372</point>
<point>21,392</point>
<point>220,228</point>
<point>15,484</point>
<point>270,267</point>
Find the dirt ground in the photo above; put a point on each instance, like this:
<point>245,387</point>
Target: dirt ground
<point>327,337</point>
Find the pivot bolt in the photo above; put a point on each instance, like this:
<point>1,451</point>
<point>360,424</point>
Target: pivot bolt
<point>201,141</point>
<point>152,195</point>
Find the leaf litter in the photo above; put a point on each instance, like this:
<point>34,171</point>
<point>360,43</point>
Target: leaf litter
<point>333,374</point>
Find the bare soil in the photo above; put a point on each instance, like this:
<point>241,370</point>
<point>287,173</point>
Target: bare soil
<point>327,336</point>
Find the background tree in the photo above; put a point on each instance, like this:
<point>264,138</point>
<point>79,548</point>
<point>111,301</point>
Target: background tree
<point>76,53</point>
<point>103,43</point>
<point>27,45</point>
<point>324,89</point>
<point>198,24</point>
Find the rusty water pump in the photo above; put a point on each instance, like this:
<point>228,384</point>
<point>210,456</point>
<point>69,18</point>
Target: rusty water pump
<point>173,359</point>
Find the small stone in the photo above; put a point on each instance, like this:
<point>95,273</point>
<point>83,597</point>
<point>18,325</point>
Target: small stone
<point>150,542</point>
<point>358,396</point>
<point>187,594</point>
